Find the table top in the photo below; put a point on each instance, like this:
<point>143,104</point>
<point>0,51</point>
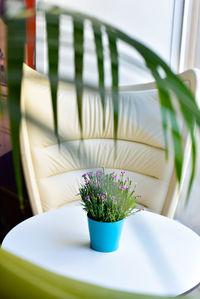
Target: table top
<point>156,255</point>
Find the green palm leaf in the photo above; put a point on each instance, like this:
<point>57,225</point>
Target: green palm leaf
<point>15,57</point>
<point>167,109</point>
<point>115,80</point>
<point>190,121</point>
<point>100,64</point>
<point>53,51</point>
<point>78,63</point>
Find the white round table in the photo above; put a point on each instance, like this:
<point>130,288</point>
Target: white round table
<point>156,255</point>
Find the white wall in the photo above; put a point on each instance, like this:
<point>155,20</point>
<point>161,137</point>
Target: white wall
<point>156,23</point>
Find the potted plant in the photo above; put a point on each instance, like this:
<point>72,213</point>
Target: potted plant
<point>108,199</point>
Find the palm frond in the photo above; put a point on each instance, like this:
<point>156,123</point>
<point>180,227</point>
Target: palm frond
<point>171,84</point>
<point>115,78</point>
<point>15,58</point>
<point>78,63</point>
<point>53,52</point>
<point>100,64</point>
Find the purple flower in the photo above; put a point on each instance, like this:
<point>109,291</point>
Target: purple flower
<point>122,187</point>
<point>87,197</point>
<point>122,172</point>
<point>112,197</point>
<point>105,192</point>
<point>88,182</point>
<point>114,176</point>
<point>115,202</point>
<point>99,174</point>
<point>96,185</point>
<point>90,173</point>
<point>84,175</point>
<point>98,194</point>
<point>103,197</point>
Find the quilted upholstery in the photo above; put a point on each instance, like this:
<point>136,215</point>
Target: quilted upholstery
<point>53,173</point>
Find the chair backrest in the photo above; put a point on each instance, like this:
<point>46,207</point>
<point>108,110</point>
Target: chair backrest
<point>53,173</point>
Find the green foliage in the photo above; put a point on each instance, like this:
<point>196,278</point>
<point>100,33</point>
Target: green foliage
<point>78,63</point>
<point>115,78</point>
<point>168,109</point>
<point>53,50</point>
<point>15,57</point>
<point>107,198</point>
<point>100,64</point>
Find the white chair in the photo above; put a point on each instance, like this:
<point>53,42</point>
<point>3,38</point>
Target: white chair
<point>53,174</point>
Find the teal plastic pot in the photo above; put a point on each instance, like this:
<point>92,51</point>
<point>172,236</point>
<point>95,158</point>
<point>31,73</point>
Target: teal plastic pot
<point>105,236</point>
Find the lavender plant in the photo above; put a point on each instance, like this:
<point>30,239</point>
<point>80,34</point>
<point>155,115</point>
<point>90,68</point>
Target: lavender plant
<point>107,197</point>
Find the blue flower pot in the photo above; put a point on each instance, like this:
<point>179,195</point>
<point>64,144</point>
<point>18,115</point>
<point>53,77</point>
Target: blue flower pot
<point>104,236</point>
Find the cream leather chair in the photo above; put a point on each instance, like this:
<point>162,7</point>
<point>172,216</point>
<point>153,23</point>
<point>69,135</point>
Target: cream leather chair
<point>53,174</point>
